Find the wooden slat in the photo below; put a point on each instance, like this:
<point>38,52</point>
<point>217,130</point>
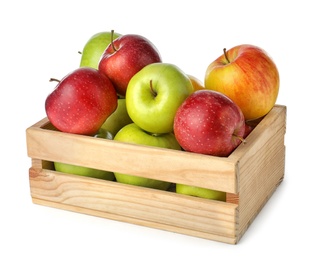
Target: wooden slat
<point>137,205</point>
<point>146,223</point>
<point>150,162</point>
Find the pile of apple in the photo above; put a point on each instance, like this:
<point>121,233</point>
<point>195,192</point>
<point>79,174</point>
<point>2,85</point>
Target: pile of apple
<point>123,91</point>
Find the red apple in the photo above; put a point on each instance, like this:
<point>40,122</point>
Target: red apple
<point>81,102</point>
<point>208,122</point>
<point>124,57</point>
<point>248,130</point>
<point>248,76</point>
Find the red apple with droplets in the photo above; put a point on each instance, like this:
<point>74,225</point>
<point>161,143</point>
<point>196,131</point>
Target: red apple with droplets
<point>81,102</point>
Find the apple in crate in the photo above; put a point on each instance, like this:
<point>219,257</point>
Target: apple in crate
<point>124,57</point>
<point>94,48</point>
<point>117,120</point>
<point>134,134</point>
<point>154,95</point>
<point>200,192</point>
<point>83,171</point>
<point>81,102</point>
<point>248,76</point>
<point>196,83</point>
<point>208,122</point>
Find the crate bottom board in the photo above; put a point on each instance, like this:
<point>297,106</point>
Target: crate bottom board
<point>163,210</point>
<point>136,221</point>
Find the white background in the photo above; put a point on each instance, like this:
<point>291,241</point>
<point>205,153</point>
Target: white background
<point>41,39</point>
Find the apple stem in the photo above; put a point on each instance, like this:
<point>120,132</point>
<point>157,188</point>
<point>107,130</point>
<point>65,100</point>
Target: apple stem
<point>225,54</point>
<point>112,38</point>
<point>53,79</point>
<point>153,92</point>
<point>243,140</point>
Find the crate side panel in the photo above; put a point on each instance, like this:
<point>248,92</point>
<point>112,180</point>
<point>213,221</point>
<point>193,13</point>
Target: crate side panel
<point>149,162</point>
<point>154,206</point>
<point>261,172</point>
<point>256,190</point>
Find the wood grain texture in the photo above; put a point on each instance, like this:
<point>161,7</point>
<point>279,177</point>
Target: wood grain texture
<point>150,162</point>
<point>133,204</point>
<point>261,166</point>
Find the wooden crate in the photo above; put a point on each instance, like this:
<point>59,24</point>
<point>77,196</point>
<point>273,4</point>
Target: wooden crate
<point>249,176</point>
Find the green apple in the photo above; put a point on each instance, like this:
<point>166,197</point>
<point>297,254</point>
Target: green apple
<point>83,171</point>
<point>103,133</point>
<point>132,133</point>
<point>154,94</point>
<point>117,119</point>
<point>95,47</point>
<point>200,192</point>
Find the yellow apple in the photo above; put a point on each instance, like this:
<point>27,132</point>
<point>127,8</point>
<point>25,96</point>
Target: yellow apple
<point>248,76</point>
<point>196,83</point>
